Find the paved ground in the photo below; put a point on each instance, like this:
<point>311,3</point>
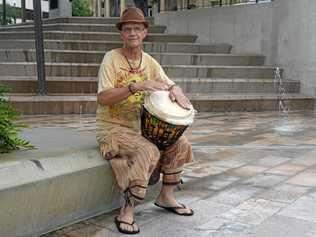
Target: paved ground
<point>254,175</point>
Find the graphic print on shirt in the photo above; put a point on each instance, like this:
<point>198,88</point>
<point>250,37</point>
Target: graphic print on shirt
<point>131,105</point>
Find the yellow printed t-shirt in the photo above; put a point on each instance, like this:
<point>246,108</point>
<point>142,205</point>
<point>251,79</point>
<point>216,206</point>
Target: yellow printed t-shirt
<point>115,73</point>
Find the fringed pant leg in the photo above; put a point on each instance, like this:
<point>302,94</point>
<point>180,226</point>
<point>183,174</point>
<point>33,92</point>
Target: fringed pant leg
<point>132,159</point>
<point>173,159</point>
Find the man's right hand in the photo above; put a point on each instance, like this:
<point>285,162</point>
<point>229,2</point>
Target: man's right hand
<point>150,85</point>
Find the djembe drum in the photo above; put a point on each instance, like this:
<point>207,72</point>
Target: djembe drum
<point>164,121</point>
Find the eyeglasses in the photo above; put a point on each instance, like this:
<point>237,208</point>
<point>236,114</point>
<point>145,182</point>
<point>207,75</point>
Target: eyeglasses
<point>136,29</point>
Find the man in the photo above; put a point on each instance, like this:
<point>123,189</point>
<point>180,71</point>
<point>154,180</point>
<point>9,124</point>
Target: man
<point>124,75</point>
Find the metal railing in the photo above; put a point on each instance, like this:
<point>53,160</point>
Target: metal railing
<point>14,13</point>
<point>176,5</point>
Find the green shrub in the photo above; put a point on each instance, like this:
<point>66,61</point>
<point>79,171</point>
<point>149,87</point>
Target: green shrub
<point>12,13</point>
<point>81,8</point>
<point>9,130</point>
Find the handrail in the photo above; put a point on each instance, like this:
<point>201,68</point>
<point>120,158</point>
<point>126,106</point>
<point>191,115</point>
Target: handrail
<point>39,45</point>
<point>20,13</point>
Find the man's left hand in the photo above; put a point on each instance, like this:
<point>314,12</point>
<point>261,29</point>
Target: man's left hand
<point>177,95</point>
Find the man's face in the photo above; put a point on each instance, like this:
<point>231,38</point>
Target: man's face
<point>133,34</point>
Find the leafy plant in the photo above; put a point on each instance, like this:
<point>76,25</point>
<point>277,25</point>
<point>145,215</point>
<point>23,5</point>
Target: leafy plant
<point>81,8</point>
<point>12,13</point>
<point>9,139</point>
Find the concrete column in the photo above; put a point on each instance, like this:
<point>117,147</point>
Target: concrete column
<point>162,5</point>
<point>61,8</point>
<point>184,4</point>
<point>99,8</point>
<point>107,8</point>
<point>201,3</point>
<point>94,7</point>
<point>179,4</point>
<point>122,6</point>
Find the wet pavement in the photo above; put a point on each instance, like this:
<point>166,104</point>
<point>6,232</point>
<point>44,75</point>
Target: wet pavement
<point>254,174</point>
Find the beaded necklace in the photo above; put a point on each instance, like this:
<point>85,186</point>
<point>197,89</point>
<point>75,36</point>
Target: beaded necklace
<point>134,70</point>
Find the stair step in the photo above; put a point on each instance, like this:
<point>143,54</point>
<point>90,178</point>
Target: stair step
<point>82,20</point>
<point>202,102</point>
<point>84,85</point>
<point>110,36</point>
<point>91,70</point>
<point>235,85</point>
<point>250,102</point>
<point>82,56</point>
<point>213,79</point>
<point>77,27</point>
<point>108,45</point>
<point>219,71</point>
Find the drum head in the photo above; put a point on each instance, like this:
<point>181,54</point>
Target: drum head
<point>158,103</point>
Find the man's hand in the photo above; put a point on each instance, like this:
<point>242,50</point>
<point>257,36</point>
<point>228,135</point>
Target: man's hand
<point>151,85</point>
<point>177,95</point>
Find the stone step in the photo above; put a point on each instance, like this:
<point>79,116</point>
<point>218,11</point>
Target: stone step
<point>110,36</point>
<point>219,71</point>
<point>108,45</point>
<point>71,56</point>
<point>78,27</point>
<point>77,104</point>
<point>91,70</point>
<point>235,86</point>
<point>91,20</point>
<point>250,102</point>
<point>79,20</point>
<point>88,85</point>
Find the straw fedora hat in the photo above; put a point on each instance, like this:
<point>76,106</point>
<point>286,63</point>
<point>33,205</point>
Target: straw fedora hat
<point>132,15</point>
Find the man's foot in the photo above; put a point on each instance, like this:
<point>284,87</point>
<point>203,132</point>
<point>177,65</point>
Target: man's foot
<point>171,204</point>
<point>179,210</point>
<point>126,227</point>
<point>125,221</point>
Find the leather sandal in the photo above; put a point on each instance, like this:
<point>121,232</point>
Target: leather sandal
<point>129,232</point>
<point>174,209</point>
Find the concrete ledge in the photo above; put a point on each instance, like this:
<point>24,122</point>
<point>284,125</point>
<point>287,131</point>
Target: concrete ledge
<point>64,181</point>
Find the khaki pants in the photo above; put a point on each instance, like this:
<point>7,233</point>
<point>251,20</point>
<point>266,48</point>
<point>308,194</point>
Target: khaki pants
<point>133,158</point>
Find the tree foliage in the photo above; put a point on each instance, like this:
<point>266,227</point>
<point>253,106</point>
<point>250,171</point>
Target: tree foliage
<point>81,8</point>
<point>9,130</point>
<point>12,13</point>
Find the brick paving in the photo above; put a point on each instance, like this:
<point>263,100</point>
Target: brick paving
<point>253,175</point>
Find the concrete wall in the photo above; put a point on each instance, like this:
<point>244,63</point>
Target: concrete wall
<point>294,36</point>
<point>246,28</point>
<point>284,31</point>
<point>63,10</point>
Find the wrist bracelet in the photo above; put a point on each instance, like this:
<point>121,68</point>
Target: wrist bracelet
<point>130,89</point>
<point>170,87</point>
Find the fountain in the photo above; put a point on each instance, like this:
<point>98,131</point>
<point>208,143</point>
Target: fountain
<point>284,125</point>
<point>279,86</point>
